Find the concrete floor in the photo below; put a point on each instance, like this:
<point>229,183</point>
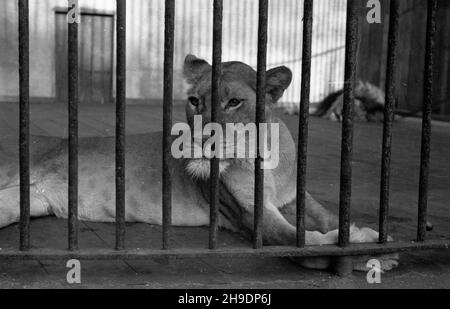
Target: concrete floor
<point>417,270</point>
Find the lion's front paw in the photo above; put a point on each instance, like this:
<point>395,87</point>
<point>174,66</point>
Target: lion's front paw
<point>358,235</point>
<point>367,235</point>
<point>385,262</point>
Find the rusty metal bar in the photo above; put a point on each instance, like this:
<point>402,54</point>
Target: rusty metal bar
<point>73,101</point>
<point>343,265</point>
<point>388,119</point>
<point>24,134</point>
<point>303,120</point>
<point>215,105</point>
<point>426,119</point>
<point>167,118</point>
<point>229,252</point>
<point>260,118</point>
<point>120,123</point>
<point>351,46</point>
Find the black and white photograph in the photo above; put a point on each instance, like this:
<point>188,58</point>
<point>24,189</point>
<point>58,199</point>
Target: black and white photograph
<point>224,150</point>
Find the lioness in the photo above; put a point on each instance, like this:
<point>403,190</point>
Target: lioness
<point>190,177</point>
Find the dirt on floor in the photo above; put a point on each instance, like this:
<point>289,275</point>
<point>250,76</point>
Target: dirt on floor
<point>428,269</point>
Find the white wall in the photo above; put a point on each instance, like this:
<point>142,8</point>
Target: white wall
<point>145,30</point>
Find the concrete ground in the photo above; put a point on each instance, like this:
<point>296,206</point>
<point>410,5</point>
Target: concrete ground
<point>430,269</point>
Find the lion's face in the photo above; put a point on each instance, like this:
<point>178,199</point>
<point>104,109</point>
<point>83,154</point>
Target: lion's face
<point>237,91</point>
<point>237,102</point>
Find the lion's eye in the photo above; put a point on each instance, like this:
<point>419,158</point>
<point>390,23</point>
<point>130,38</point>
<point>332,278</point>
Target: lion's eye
<point>234,103</point>
<point>194,101</point>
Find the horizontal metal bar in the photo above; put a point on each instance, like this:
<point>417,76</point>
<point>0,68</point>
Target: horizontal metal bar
<point>227,252</point>
<point>86,12</point>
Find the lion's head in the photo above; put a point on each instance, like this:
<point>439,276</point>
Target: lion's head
<point>237,97</point>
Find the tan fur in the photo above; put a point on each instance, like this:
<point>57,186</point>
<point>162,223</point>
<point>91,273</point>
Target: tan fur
<point>190,193</point>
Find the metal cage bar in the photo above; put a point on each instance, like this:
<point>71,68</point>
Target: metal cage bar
<point>426,119</point>
<point>229,252</point>
<point>343,266</point>
<point>303,120</point>
<point>260,118</point>
<point>120,123</point>
<point>24,134</point>
<point>351,46</point>
<point>343,250</point>
<point>215,105</point>
<point>73,101</point>
<point>169,30</point>
<point>388,119</point>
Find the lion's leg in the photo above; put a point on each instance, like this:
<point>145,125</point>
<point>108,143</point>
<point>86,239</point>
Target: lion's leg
<point>318,218</point>
<point>328,222</point>
<point>10,205</point>
<point>325,220</point>
<point>278,231</point>
<point>276,228</point>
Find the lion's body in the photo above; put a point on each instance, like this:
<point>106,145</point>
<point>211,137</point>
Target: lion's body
<point>97,182</point>
<point>49,179</point>
<point>190,206</point>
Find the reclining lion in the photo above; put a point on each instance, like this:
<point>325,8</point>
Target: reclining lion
<point>190,177</point>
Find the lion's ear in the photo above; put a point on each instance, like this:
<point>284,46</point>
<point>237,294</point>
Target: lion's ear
<point>194,68</point>
<point>277,81</point>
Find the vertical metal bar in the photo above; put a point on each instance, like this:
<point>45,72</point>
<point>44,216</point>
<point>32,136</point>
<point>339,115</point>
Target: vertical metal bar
<point>167,118</point>
<point>73,133</point>
<point>24,134</point>
<point>216,73</point>
<point>388,119</point>
<point>260,118</point>
<point>426,120</point>
<point>343,265</point>
<point>303,120</point>
<point>120,124</point>
<point>351,46</point>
